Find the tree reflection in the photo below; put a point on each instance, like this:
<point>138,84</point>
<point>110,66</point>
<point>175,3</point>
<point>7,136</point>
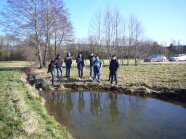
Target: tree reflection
<point>114,111</point>
<point>135,108</point>
<point>81,103</point>
<point>95,104</point>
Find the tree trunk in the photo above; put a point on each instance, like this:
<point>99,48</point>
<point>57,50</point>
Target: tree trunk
<point>40,56</point>
<point>45,53</point>
<point>55,45</point>
<point>128,61</point>
<point>136,62</point>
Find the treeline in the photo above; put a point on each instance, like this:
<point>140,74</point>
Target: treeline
<point>13,49</point>
<point>42,28</point>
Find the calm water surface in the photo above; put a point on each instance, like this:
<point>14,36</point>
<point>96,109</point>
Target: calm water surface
<point>116,116</point>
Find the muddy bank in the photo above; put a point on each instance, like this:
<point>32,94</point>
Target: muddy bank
<point>75,84</point>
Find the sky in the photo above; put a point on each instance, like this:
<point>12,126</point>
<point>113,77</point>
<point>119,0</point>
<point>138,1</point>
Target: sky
<point>162,20</point>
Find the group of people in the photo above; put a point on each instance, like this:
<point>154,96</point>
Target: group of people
<point>95,67</point>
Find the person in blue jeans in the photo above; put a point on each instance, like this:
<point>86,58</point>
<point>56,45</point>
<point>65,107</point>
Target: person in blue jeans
<point>97,67</point>
<point>80,65</point>
<point>51,68</point>
<point>92,59</point>
<point>68,62</point>
<point>59,68</point>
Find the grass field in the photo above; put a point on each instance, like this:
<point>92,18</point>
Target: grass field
<point>14,64</point>
<point>22,112</point>
<point>153,76</point>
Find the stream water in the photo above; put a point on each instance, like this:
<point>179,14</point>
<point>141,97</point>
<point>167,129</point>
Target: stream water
<point>116,116</point>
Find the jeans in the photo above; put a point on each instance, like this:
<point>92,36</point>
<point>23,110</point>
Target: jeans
<point>80,72</point>
<point>68,70</point>
<point>53,76</point>
<point>91,71</point>
<point>109,76</point>
<point>113,76</point>
<point>96,73</point>
<point>60,69</point>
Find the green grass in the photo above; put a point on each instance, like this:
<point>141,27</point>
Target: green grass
<point>13,64</point>
<point>153,76</point>
<point>22,112</point>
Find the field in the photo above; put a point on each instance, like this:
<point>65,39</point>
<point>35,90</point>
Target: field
<point>171,76</point>
<point>13,64</point>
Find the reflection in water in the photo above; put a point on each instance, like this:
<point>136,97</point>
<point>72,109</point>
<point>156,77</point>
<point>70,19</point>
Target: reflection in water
<point>81,103</point>
<point>95,107</point>
<point>114,111</point>
<point>116,116</point>
<point>69,105</point>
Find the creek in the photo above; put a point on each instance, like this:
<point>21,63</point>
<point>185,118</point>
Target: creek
<point>91,115</point>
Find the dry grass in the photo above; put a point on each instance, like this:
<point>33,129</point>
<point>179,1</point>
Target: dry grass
<point>151,76</point>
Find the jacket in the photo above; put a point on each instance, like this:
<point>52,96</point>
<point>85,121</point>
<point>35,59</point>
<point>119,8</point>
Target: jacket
<point>92,59</point>
<point>114,65</point>
<point>80,62</point>
<point>51,67</point>
<point>68,60</point>
<point>58,62</point>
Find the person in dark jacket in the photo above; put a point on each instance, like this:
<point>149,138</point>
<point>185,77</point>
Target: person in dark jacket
<point>68,62</point>
<point>114,65</point>
<point>51,68</point>
<point>80,65</point>
<point>92,59</point>
<point>59,68</point>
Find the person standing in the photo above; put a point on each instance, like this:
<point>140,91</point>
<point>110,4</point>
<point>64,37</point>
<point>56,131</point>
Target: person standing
<point>59,68</point>
<point>51,68</point>
<point>68,62</point>
<point>92,59</point>
<point>113,67</point>
<point>80,65</point>
<point>97,67</point>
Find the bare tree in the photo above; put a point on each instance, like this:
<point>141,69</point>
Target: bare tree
<point>43,21</point>
<point>95,32</point>
<point>108,28</point>
<point>135,31</point>
<point>21,18</point>
<point>62,26</point>
<point>47,19</point>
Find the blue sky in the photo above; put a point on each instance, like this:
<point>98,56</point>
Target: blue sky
<point>163,20</point>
